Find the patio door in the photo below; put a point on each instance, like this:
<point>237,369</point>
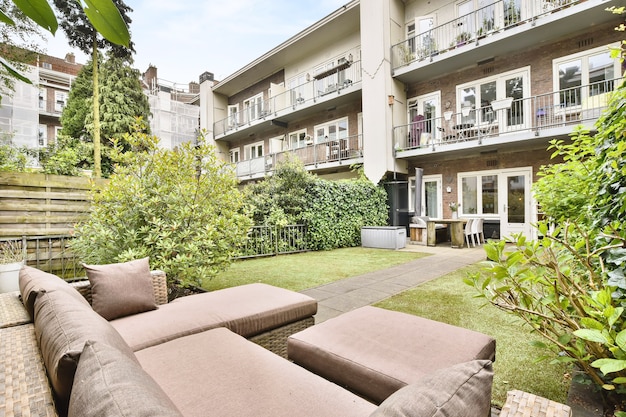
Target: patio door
<point>428,107</point>
<point>516,197</point>
<point>431,196</point>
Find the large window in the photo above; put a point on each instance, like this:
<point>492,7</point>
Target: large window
<point>584,75</point>
<point>233,115</point>
<point>60,100</point>
<point>479,194</point>
<point>43,136</point>
<point>253,107</point>
<point>234,155</point>
<point>337,129</point>
<point>298,139</point>
<point>254,150</point>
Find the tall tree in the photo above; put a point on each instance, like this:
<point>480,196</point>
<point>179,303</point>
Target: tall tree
<point>82,35</point>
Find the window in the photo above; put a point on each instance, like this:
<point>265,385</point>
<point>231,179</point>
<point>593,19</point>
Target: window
<point>276,144</point>
<point>42,98</point>
<point>337,129</point>
<point>233,115</point>
<point>57,132</point>
<point>584,75</point>
<point>296,89</point>
<point>479,193</point>
<point>60,100</point>
<point>253,107</point>
<point>254,150</point>
<point>234,155</point>
<point>298,139</point>
<point>43,136</point>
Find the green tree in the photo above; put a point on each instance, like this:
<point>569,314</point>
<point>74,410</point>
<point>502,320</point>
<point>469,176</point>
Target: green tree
<point>181,208</point>
<point>82,34</point>
<point>66,156</point>
<point>11,158</point>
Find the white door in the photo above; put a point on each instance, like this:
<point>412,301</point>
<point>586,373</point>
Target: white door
<point>516,197</point>
<point>432,197</point>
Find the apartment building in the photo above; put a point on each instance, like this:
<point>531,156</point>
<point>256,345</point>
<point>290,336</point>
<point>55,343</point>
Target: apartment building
<point>462,95</point>
<point>30,115</point>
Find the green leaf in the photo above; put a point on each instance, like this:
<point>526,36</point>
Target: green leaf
<point>13,72</point>
<point>107,20</point>
<point>608,365</point>
<point>591,335</point>
<point>620,380</point>
<point>41,12</point>
<point>6,19</point>
<point>620,340</point>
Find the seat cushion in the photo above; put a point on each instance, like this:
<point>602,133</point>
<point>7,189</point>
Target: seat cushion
<point>462,390</point>
<point>375,352</point>
<point>62,326</point>
<point>220,373</point>
<point>247,310</point>
<point>108,383</point>
<point>121,289</point>
<point>32,281</point>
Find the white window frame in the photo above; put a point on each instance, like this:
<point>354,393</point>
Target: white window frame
<point>234,155</point>
<point>298,139</point>
<point>437,178</point>
<point>253,107</point>
<point>42,140</point>
<point>233,115</point>
<point>479,192</point>
<point>254,150</point>
<point>43,93</point>
<point>323,131</point>
<point>277,143</point>
<point>297,93</point>
<point>60,100</point>
<point>57,131</point>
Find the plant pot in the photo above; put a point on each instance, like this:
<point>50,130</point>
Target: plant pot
<point>9,277</point>
<point>455,215</point>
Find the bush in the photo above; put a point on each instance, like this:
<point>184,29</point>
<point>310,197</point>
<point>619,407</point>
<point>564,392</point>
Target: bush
<point>181,208</point>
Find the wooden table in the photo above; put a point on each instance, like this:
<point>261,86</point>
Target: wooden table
<point>457,227</point>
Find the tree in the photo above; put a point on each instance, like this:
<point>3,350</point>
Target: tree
<point>83,35</point>
<point>182,208</point>
<point>121,102</point>
<point>66,156</point>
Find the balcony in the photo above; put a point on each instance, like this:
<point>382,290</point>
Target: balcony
<point>329,154</point>
<point>505,121</point>
<point>324,87</point>
<point>489,32</point>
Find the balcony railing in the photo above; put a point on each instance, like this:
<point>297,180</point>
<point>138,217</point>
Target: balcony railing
<point>331,151</point>
<point>493,18</point>
<point>332,81</point>
<point>582,104</point>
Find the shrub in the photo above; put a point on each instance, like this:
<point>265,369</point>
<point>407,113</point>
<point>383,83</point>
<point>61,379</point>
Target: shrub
<point>181,208</point>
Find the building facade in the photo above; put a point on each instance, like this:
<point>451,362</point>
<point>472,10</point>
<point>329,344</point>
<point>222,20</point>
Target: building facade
<point>464,95</point>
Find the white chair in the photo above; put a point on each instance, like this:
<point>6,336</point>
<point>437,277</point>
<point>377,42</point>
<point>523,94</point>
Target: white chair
<point>477,231</point>
<point>468,232</point>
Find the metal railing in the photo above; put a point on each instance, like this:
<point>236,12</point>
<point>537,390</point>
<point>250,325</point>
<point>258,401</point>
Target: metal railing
<point>274,240</point>
<point>50,254</point>
<point>332,82</point>
<point>493,18</point>
<point>560,108</point>
<point>329,151</point>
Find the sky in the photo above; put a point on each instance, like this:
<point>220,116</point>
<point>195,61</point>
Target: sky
<point>184,38</point>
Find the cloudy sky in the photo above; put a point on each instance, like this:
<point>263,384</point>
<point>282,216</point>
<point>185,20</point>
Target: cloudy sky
<point>184,38</point>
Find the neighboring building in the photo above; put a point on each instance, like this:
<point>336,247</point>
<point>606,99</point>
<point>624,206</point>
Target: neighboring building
<point>30,115</point>
<point>465,95</point>
<point>175,114</point>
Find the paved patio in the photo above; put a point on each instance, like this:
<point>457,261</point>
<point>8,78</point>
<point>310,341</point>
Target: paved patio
<point>346,295</point>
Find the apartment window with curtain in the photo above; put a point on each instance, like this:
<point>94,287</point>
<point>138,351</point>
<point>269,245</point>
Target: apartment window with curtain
<point>479,193</point>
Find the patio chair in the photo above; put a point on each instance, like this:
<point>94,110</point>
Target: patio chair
<point>468,232</point>
<point>477,231</point>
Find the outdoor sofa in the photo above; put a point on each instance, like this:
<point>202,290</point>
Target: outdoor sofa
<point>195,356</point>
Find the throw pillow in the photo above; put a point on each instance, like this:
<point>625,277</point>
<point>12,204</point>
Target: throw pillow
<point>462,390</point>
<point>121,289</point>
<point>62,326</point>
<point>108,383</point>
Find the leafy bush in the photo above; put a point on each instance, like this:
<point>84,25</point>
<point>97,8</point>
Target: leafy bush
<point>570,287</point>
<point>181,208</point>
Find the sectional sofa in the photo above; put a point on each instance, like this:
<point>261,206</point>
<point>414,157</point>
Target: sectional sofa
<point>113,347</point>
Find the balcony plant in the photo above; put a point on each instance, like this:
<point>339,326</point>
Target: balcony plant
<point>11,261</point>
<point>462,38</point>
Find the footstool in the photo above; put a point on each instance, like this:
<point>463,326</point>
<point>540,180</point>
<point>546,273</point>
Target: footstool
<point>374,352</point>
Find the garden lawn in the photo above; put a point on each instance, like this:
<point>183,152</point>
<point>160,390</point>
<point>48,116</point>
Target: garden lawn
<point>300,271</point>
<point>448,299</point>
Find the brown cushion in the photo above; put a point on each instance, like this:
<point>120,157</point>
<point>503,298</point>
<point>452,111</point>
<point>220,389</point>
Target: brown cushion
<point>122,289</point>
<point>33,280</point>
<point>247,310</point>
<point>62,326</point>
<point>109,383</point>
<point>463,390</point>
<point>219,373</point>
<point>375,351</point>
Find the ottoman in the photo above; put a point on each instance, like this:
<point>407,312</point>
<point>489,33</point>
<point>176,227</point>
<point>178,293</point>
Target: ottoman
<point>374,352</point>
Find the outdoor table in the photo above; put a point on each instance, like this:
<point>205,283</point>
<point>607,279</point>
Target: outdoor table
<point>456,231</point>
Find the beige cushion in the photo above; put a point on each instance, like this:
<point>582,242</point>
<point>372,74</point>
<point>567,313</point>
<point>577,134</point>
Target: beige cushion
<point>219,373</point>
<point>121,289</point>
<point>109,383</point>
<point>463,390</point>
<point>62,326</point>
<point>32,281</point>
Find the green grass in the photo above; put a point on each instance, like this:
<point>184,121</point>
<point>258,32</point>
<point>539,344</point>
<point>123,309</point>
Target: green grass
<point>309,269</point>
<point>448,299</point>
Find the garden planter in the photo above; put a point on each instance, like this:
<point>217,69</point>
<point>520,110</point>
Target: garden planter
<point>9,277</point>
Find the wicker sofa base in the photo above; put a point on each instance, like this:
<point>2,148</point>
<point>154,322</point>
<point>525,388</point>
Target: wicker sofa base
<point>522,404</point>
<point>276,340</point>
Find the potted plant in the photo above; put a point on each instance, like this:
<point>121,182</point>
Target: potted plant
<point>11,261</point>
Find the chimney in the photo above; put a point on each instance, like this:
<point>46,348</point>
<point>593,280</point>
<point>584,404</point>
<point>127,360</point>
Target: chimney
<point>150,76</point>
<point>70,57</point>
<point>206,76</point>
<point>194,88</point>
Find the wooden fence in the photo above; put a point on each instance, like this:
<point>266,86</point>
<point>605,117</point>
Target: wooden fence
<point>41,205</point>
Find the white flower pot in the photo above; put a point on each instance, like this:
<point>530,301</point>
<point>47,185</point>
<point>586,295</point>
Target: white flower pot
<point>9,277</point>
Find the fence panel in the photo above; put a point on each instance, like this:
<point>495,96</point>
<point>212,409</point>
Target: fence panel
<point>274,240</point>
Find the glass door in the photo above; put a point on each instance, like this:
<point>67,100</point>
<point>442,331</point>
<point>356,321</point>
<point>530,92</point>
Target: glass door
<point>515,215</point>
<point>431,196</point>
<point>424,119</point>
